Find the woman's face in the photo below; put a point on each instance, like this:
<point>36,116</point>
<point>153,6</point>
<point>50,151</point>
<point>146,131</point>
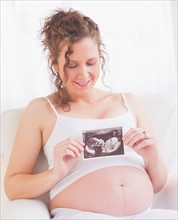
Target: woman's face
<point>83,69</point>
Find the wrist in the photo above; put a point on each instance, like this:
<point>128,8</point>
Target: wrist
<point>54,176</point>
<point>152,157</point>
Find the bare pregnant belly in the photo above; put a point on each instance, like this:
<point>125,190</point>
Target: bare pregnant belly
<point>117,191</point>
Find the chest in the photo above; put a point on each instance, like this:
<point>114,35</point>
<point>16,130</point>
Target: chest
<point>98,110</point>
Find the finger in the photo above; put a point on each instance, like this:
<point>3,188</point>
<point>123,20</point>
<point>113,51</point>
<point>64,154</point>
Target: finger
<point>77,143</point>
<point>133,133</point>
<point>60,150</point>
<point>70,153</point>
<point>71,144</point>
<point>144,143</point>
<point>80,142</point>
<point>134,140</point>
<point>138,137</point>
<point>129,134</point>
<point>66,152</point>
<point>74,149</point>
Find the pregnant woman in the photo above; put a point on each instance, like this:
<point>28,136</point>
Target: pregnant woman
<point>110,187</point>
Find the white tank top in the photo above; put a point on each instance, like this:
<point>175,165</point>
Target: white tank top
<point>73,127</point>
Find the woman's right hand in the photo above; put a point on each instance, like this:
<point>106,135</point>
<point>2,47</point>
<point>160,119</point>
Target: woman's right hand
<point>65,153</point>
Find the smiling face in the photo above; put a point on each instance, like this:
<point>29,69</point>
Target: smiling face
<point>83,68</point>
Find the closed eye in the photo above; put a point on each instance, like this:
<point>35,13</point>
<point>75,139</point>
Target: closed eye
<point>72,65</point>
<point>91,63</point>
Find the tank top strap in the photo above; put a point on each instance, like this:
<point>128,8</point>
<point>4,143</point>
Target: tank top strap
<point>52,106</point>
<point>125,102</point>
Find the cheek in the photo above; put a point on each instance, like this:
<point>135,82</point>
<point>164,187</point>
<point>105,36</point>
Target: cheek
<point>96,71</point>
<point>71,77</point>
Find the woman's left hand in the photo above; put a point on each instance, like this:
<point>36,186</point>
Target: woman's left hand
<point>142,142</point>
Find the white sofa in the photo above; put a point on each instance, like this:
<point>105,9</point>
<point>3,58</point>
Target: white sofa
<point>162,109</point>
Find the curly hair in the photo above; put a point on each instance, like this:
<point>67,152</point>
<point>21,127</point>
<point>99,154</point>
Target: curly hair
<point>67,27</point>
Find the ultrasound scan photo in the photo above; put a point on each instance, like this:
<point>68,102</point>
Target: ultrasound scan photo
<point>103,142</point>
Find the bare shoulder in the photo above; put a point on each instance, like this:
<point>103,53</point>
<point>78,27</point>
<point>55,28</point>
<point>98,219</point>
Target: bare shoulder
<point>40,105</point>
<point>36,106</point>
<point>137,106</point>
<point>132,99</point>
<point>36,111</point>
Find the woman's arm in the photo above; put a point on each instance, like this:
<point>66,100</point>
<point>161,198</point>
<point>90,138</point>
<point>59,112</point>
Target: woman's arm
<point>146,147</point>
<point>19,180</point>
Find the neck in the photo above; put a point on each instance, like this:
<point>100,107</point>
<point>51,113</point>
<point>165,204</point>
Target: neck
<point>90,97</point>
<point>93,97</point>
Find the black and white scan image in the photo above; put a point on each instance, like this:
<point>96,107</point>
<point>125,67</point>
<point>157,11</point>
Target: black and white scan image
<point>103,142</point>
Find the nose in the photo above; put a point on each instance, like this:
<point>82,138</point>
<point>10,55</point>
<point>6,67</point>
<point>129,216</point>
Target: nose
<point>83,72</point>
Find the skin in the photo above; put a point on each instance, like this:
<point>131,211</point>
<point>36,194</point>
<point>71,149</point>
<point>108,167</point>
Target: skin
<point>83,70</point>
<point>38,121</point>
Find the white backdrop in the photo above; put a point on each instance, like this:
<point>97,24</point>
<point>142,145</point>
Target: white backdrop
<point>140,38</point>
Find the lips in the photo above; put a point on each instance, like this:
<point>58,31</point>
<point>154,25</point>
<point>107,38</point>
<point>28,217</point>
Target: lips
<point>82,83</point>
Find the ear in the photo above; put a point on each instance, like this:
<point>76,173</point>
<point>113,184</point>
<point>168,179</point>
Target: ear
<point>53,65</point>
<point>55,68</point>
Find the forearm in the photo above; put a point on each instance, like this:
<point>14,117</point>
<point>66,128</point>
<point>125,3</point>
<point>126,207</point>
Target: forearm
<point>24,186</point>
<point>158,173</point>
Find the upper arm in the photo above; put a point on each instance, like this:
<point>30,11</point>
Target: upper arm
<point>27,144</point>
